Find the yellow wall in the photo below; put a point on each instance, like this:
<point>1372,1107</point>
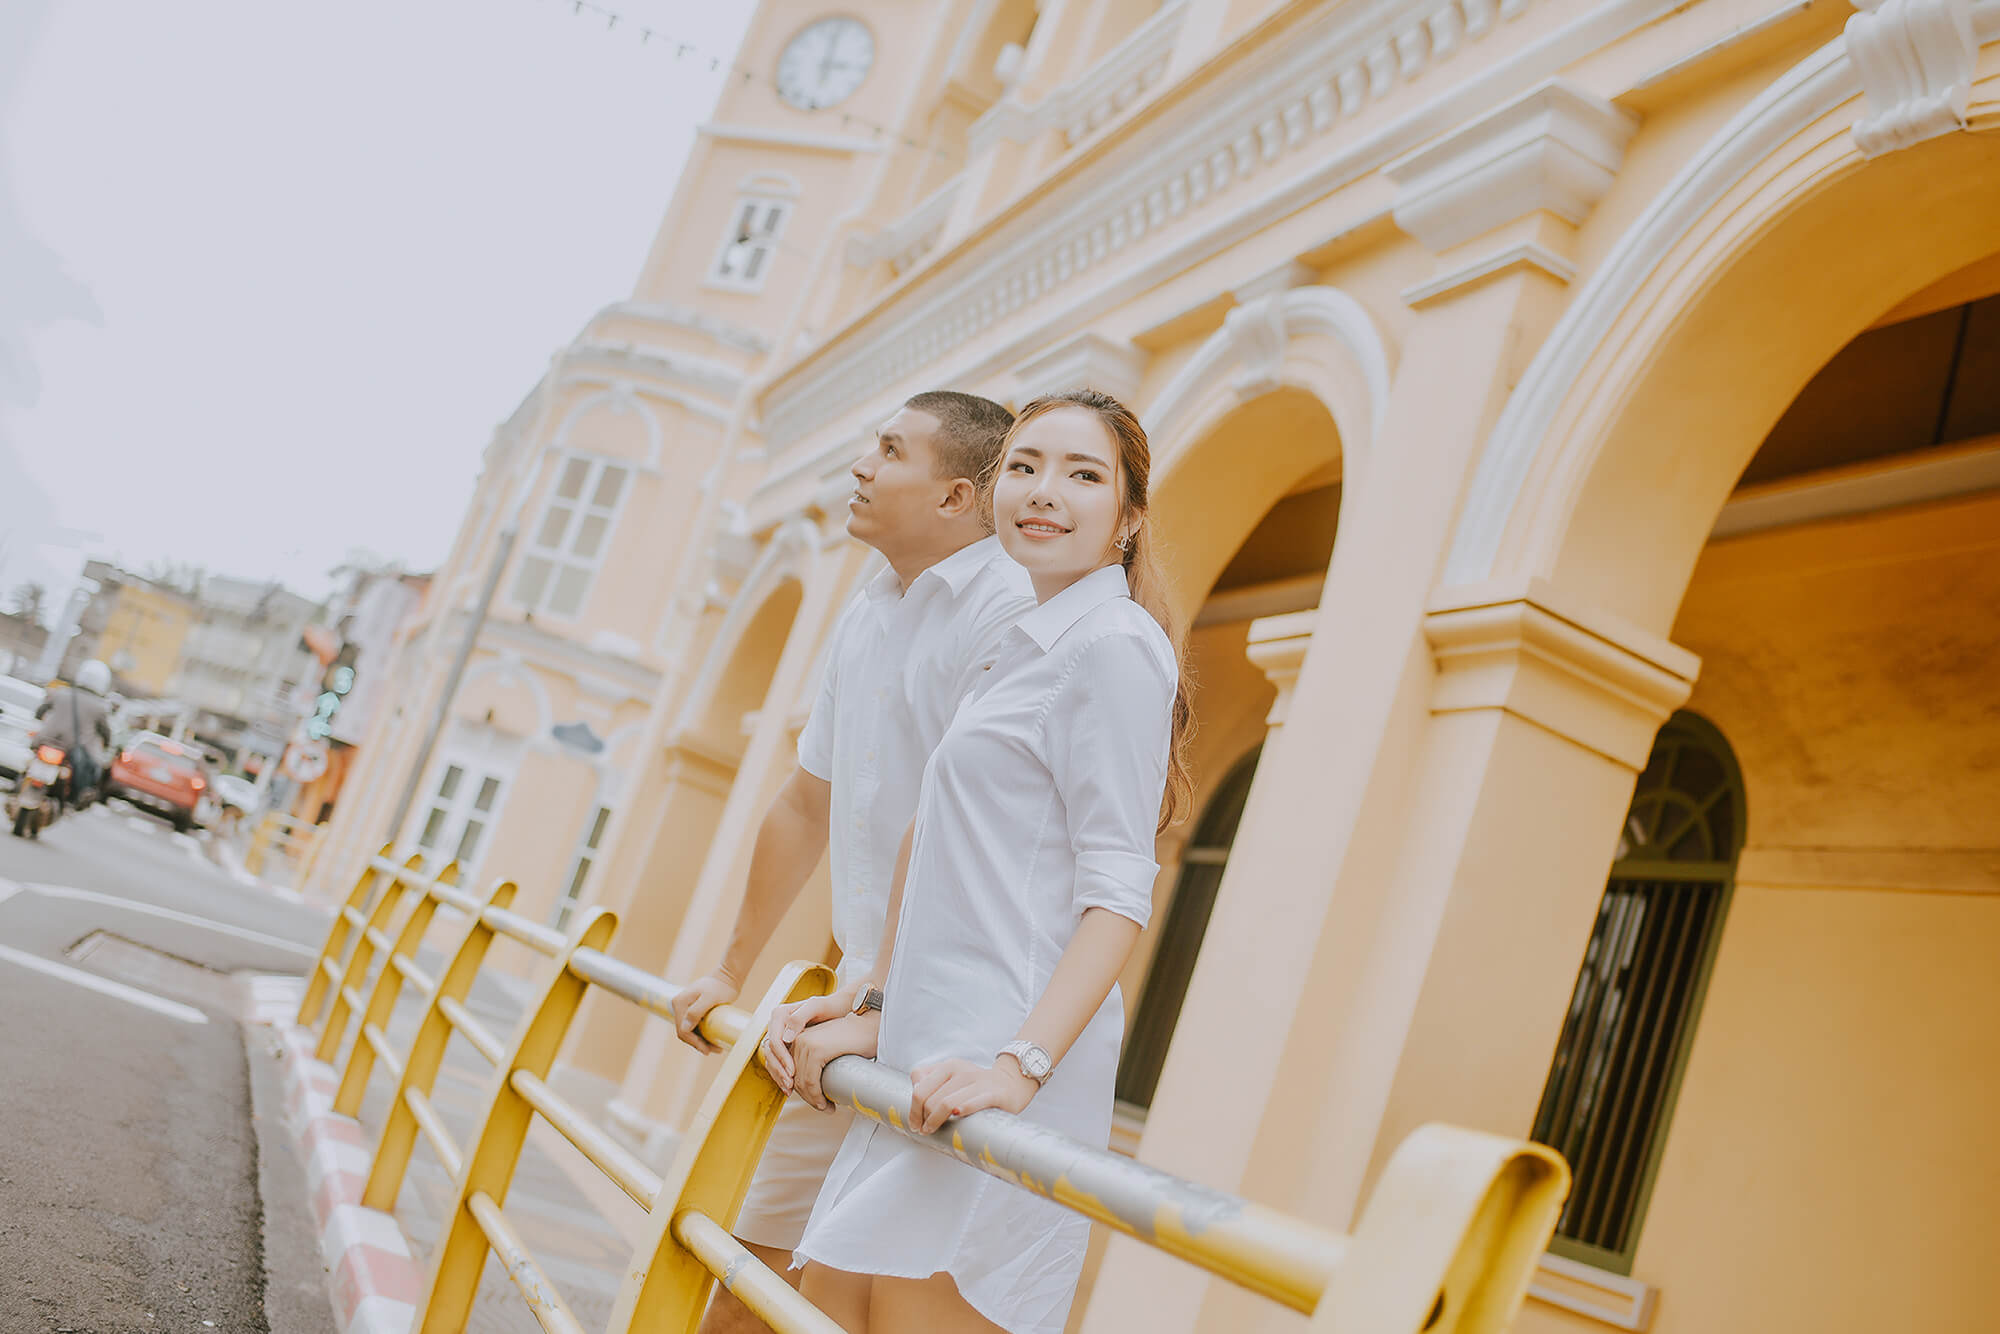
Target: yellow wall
<point>150,625</point>
<point>1830,1165</point>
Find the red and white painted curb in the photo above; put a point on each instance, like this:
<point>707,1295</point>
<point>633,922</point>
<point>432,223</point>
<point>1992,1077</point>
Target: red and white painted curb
<point>376,1284</point>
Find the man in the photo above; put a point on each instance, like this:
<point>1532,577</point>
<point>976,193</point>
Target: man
<point>75,717</point>
<point>904,653</point>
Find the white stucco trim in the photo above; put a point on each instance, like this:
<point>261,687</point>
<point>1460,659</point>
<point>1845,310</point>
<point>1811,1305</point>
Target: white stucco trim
<point>1813,88</point>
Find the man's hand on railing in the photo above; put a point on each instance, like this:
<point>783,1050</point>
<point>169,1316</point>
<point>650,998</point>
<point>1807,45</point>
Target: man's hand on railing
<point>796,1067</point>
<point>692,1004</point>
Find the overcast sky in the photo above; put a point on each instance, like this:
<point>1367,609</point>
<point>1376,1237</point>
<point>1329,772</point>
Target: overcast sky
<point>270,273</point>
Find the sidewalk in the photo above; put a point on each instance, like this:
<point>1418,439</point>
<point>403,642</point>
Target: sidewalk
<point>379,1267</point>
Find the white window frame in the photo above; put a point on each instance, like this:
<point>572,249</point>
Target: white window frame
<point>561,557</point>
<point>589,848</point>
<point>477,765</point>
<point>743,230</point>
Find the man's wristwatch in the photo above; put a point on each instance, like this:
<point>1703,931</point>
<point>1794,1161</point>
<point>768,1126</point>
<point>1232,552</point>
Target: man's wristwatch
<point>1034,1062</point>
<point>869,999</point>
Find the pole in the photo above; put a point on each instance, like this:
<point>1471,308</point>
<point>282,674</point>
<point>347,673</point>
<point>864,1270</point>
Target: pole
<point>504,548</point>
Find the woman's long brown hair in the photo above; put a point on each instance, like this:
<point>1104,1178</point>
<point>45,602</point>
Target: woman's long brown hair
<point>1143,575</point>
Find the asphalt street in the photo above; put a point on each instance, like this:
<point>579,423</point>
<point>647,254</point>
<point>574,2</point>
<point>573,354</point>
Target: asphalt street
<point>130,1195</point>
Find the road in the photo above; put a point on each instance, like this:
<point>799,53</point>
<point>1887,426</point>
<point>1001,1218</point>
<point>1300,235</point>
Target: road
<point>132,1196</point>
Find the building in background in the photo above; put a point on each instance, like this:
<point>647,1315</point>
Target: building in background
<point>1576,439</point>
<point>367,618</point>
<point>21,642</point>
<point>243,667</point>
<point>144,627</point>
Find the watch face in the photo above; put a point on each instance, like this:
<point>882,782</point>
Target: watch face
<point>825,63</point>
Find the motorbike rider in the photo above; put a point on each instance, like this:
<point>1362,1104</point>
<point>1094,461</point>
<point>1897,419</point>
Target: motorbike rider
<point>74,717</point>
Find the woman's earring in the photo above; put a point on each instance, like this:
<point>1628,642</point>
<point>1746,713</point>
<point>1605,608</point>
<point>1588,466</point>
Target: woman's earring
<point>1124,543</point>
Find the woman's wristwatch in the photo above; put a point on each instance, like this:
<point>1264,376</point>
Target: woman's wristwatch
<point>869,999</point>
<point>1034,1062</point>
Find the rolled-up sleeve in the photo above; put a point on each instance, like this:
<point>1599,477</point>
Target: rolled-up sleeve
<point>1108,733</point>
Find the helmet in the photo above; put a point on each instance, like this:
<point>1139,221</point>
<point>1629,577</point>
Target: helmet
<point>95,677</point>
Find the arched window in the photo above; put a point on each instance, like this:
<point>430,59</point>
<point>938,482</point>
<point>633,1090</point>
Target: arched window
<point>1631,1019</point>
<point>1180,936</point>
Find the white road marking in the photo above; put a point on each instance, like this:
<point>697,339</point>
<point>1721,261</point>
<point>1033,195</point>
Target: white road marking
<point>168,914</point>
<point>105,986</point>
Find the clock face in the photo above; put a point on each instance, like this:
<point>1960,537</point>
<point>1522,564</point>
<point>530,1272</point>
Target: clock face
<point>825,63</point>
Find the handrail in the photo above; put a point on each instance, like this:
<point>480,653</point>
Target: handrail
<point>1448,1244</point>
<point>1278,1257</point>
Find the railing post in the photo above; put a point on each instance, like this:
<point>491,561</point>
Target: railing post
<point>494,1153</point>
<point>357,962</point>
<point>326,967</point>
<point>426,1054</point>
<point>1450,1238</point>
<point>382,997</point>
<point>253,858</point>
<point>667,1288</point>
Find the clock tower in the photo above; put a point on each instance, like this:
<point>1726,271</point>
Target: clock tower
<point>812,134</point>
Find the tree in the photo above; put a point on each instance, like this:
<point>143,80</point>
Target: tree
<point>29,600</point>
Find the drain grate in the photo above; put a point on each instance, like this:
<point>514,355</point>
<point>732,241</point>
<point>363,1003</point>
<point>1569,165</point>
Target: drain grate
<point>159,972</point>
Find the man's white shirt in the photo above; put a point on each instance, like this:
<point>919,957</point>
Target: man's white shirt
<point>900,662</point>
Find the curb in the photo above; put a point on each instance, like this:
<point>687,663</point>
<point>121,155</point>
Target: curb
<point>375,1283</point>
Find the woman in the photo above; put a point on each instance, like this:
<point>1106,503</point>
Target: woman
<point>1030,866</point>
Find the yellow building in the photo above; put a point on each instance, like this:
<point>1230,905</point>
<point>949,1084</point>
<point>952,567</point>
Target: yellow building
<point>1577,446</point>
<point>144,629</point>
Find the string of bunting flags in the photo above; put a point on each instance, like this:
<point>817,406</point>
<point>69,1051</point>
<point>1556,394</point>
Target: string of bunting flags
<point>684,51</point>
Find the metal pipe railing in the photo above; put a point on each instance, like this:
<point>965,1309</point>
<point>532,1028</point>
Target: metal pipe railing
<point>1279,1257</point>
<point>1449,1243</point>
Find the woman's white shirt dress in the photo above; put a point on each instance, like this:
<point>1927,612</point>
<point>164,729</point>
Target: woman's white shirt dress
<point>1040,802</point>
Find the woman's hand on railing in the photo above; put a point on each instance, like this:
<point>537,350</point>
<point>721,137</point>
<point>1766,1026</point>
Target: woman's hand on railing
<point>959,1088</point>
<point>849,1035</point>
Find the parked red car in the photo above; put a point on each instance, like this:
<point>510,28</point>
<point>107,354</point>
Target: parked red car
<point>162,775</point>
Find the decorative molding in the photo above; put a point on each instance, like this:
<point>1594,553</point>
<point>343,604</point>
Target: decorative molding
<point>1094,98</point>
<point>704,375</point>
<point>1252,341</point>
<point>685,317</point>
<point>1088,359</point>
<point>1915,59</point>
<point>1277,647</point>
<point>532,647</point>
<point>1807,91</point>
<point>1555,149</point>
<point>620,399</point>
<point>1526,255</point>
<point>1863,488</point>
<point>905,242</point>
<point>1581,674</point>
<point>757,134</point>
<point>1272,104</point>
<point>1614,1299</point>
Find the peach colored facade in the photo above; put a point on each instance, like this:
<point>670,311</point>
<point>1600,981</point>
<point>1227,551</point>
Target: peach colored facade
<point>1548,400</point>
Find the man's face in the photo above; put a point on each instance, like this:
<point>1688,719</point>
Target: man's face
<point>896,487</point>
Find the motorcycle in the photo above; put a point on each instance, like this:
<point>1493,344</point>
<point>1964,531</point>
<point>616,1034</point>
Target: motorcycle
<point>36,799</point>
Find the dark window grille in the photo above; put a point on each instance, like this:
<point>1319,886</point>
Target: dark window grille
<point>1202,863</point>
<point>1631,1018</point>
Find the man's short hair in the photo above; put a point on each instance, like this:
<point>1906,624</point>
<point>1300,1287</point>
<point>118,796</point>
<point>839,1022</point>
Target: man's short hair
<point>970,429</point>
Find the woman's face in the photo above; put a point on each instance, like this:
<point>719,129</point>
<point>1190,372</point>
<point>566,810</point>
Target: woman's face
<point>1056,500</point>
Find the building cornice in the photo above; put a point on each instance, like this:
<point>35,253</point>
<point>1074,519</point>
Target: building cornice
<point>773,138</point>
<point>1188,149</point>
<point>686,317</point>
<point>539,648</point>
<point>1094,98</point>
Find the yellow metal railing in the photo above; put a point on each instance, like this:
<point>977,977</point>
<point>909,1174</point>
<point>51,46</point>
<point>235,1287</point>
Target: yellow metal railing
<point>291,841</point>
<point>1447,1245</point>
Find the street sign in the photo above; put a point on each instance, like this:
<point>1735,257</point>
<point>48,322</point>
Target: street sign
<point>305,761</point>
